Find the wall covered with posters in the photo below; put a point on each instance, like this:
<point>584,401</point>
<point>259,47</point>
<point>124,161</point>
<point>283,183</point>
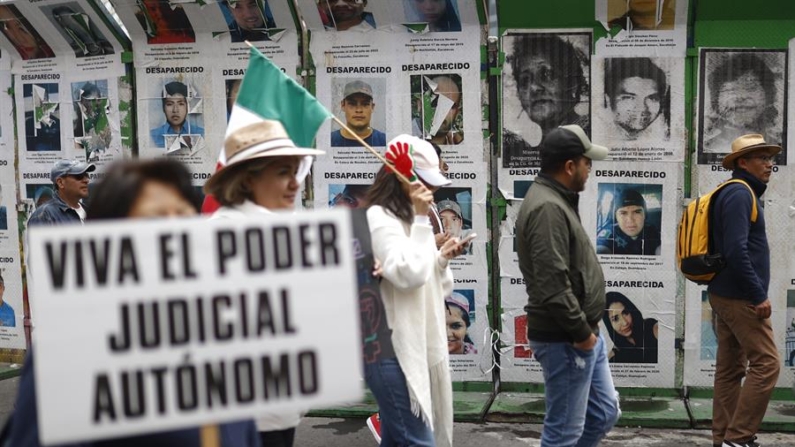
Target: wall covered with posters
<point>661,89</point>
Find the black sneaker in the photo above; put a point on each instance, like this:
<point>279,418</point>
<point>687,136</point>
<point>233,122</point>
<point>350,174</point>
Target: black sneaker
<point>751,443</point>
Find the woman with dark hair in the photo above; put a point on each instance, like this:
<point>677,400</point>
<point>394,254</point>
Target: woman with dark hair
<point>458,323</point>
<point>440,15</point>
<point>634,339</point>
<point>155,188</point>
<point>413,387</point>
<point>140,189</point>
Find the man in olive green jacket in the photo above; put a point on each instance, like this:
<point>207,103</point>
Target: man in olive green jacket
<point>566,295</point>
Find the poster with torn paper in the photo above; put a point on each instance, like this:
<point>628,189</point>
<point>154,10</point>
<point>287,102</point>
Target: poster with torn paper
<point>12,328</point>
<point>655,28</point>
<point>69,90</point>
<point>740,91</point>
<point>638,111</point>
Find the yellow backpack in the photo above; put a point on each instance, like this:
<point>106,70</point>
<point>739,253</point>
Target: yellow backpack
<point>695,251</point>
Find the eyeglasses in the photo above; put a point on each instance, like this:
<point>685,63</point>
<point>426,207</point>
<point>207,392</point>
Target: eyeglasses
<point>764,158</point>
<point>78,176</point>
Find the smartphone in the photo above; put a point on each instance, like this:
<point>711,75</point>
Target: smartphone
<point>467,239</point>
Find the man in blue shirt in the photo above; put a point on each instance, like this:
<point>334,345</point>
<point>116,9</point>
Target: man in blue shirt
<point>357,105</point>
<point>739,297</point>
<point>175,108</point>
<point>7,317</point>
<point>70,178</point>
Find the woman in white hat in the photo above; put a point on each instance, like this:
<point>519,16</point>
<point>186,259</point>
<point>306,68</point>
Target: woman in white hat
<point>263,174</point>
<point>412,385</point>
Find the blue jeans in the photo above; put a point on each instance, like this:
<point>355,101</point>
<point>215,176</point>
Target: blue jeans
<point>399,427</point>
<point>582,403</point>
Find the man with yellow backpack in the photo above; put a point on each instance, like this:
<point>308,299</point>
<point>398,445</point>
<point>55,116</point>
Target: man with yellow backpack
<point>738,294</point>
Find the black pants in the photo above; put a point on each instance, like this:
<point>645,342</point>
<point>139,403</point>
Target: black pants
<point>278,438</point>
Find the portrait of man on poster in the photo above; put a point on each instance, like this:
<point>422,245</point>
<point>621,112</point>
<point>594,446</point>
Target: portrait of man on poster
<point>744,97</point>
<point>358,106</point>
<point>636,101</point>
<point>176,102</point>
<point>630,229</point>
<point>248,20</point>
<point>551,77</point>
<point>436,114</point>
<point>345,15</point>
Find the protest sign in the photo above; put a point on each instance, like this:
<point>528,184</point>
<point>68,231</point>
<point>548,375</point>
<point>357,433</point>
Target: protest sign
<point>184,322</point>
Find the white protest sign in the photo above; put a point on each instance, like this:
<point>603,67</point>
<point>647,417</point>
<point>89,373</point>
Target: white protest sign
<point>145,326</point>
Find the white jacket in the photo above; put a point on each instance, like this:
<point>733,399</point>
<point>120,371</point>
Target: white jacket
<point>416,280</point>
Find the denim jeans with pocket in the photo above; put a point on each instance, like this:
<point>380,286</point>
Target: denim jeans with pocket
<point>581,401</point>
<point>399,427</point>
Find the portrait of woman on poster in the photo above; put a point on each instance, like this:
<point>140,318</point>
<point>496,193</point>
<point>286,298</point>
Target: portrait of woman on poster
<point>458,323</point>
<point>440,15</point>
<point>743,98</point>
<point>163,23</point>
<point>22,36</point>
<point>634,338</point>
<point>552,82</point>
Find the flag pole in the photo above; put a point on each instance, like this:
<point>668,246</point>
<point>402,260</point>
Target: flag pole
<point>380,157</point>
<point>210,435</point>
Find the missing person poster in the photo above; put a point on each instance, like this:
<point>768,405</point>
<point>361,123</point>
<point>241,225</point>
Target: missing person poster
<point>390,68</point>
<point>643,27</point>
<point>210,321</point>
<point>638,109</point>
<point>740,91</point>
<point>190,59</point>
<point>71,94</point>
<point>517,363</point>
<point>546,83</point>
<point>638,324</point>
<point>12,314</point>
<point>632,211</point>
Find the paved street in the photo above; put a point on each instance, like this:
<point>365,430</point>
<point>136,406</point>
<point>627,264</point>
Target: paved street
<point>354,433</point>
<point>330,432</point>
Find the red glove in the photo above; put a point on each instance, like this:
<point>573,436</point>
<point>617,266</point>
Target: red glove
<point>400,159</point>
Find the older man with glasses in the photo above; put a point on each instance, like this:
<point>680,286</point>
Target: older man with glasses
<point>739,296</point>
<point>70,178</point>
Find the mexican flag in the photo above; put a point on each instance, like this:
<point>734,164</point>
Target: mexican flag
<point>267,93</point>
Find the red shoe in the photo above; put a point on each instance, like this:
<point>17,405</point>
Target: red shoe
<point>374,424</point>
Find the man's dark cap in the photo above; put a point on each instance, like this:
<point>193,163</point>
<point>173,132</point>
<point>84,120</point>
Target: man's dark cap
<point>630,197</point>
<point>569,142</point>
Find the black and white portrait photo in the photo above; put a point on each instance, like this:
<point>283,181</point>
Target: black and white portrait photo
<point>633,102</point>
<point>546,84</point>
<point>741,92</point>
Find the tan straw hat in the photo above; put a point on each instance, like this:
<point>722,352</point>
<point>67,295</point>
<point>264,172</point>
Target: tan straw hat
<point>265,138</point>
<point>746,144</point>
